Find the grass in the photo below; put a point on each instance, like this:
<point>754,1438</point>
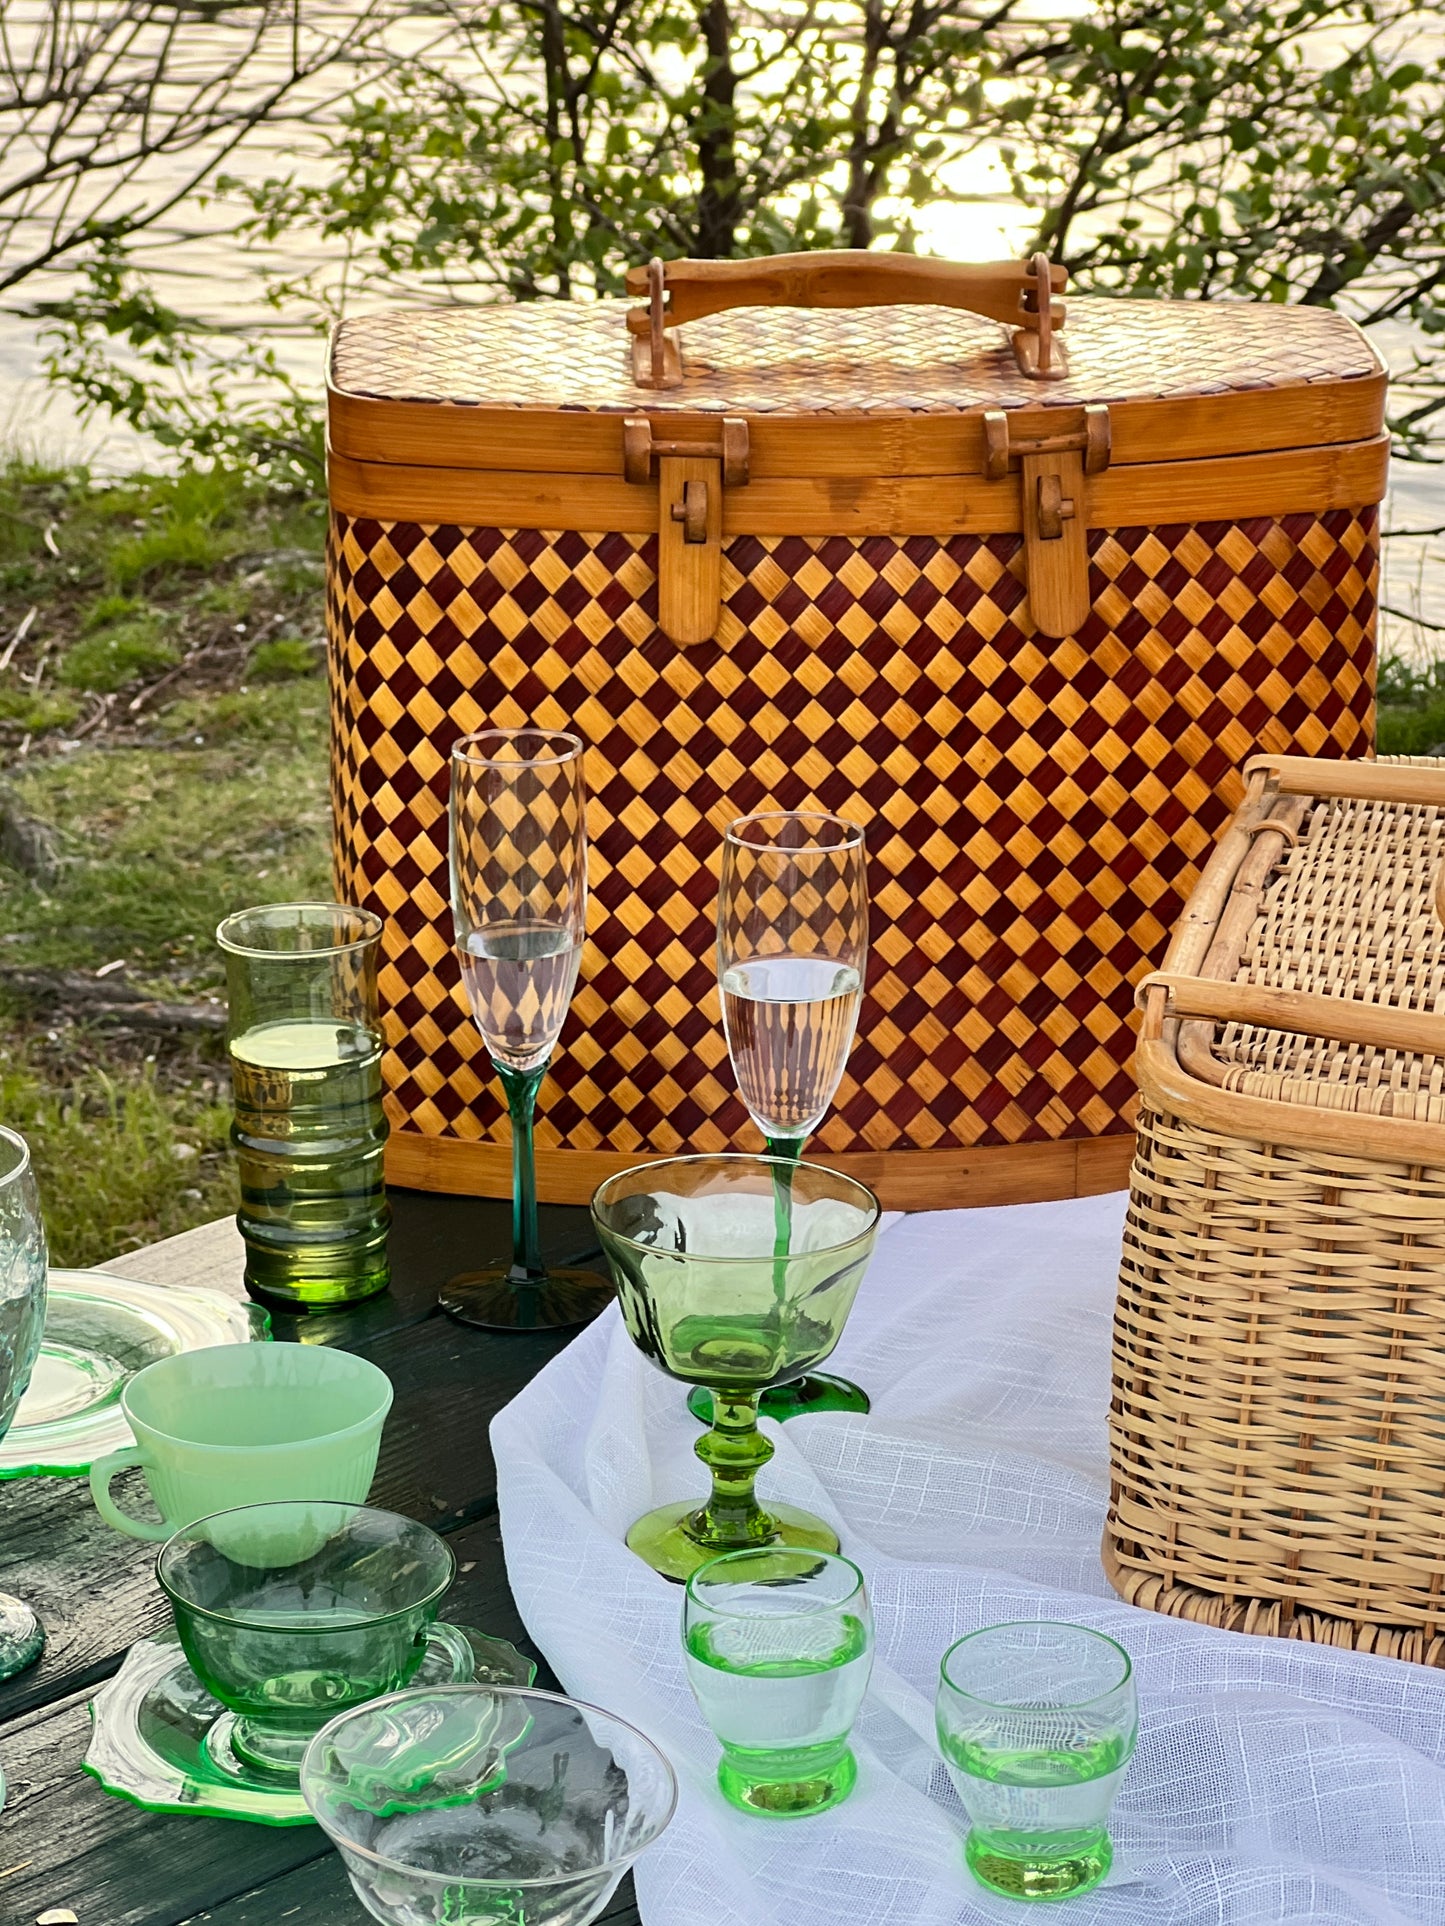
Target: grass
<point>1412,707</point>
<point>198,787</point>
<point>118,655</point>
<point>123,1155</point>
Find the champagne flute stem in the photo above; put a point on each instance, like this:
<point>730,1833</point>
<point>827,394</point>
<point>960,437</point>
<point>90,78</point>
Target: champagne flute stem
<point>791,1149</point>
<point>521,1087</point>
<point>734,1451</point>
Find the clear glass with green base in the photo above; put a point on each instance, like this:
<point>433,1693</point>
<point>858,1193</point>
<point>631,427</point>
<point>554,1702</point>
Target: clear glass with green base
<point>711,1297</point>
<point>1037,1723</point>
<point>22,1325</point>
<point>519,903</point>
<point>792,953</point>
<point>779,1645</point>
<point>305,1044</point>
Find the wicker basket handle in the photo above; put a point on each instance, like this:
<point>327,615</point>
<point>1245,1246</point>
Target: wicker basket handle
<point>1018,293</point>
<point>1380,1026</point>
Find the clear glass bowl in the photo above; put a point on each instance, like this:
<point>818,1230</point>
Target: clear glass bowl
<point>483,1806</point>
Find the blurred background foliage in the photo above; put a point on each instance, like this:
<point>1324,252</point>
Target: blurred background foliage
<point>1180,147</point>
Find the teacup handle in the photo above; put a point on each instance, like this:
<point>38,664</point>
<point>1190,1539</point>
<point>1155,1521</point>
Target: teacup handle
<point>455,1649</point>
<point>101,1473</point>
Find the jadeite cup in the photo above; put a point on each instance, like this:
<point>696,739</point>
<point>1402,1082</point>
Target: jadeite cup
<point>290,1614</point>
<point>246,1424</point>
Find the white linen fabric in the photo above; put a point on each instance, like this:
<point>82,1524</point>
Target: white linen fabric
<point>1273,1782</point>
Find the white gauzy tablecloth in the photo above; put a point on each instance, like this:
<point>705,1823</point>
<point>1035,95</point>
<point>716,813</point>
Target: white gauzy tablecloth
<point>1273,1781</point>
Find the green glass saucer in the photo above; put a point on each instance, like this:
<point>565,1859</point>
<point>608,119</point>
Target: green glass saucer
<point>150,1723</point>
<point>99,1331</point>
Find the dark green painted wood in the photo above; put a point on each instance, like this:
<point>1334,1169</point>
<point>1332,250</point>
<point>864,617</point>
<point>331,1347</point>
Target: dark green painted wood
<point>432,1240</point>
<point>320,1895</point>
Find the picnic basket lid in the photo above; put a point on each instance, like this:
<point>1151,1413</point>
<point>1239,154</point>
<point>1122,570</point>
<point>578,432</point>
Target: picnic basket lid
<point>911,360</point>
<point>781,339</point>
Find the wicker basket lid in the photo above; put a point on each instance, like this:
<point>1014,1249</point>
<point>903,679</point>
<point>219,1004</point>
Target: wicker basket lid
<point>1307,978</point>
<point>903,360</point>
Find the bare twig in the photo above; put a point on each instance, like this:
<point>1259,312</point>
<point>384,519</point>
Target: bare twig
<point>1404,615</point>
<point>19,636</point>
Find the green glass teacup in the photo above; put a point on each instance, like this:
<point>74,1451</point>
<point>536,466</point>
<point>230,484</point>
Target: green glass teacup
<point>292,1613</point>
<point>246,1424</point>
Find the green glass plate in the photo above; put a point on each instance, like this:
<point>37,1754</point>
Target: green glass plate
<point>149,1723</point>
<point>99,1331</point>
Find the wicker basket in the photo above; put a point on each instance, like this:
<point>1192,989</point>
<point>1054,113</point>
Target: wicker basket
<point>1278,1425</point>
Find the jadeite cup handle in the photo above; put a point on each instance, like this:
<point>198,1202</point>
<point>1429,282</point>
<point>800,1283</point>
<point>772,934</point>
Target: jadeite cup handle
<point>101,1473</point>
<point>456,1647</point>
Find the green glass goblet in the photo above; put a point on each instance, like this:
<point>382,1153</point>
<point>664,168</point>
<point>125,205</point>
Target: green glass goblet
<point>779,1645</point>
<point>711,1297</point>
<point>291,1613</point>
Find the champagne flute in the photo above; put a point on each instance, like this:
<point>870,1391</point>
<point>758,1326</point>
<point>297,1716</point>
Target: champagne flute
<point>792,951</point>
<point>519,900</point>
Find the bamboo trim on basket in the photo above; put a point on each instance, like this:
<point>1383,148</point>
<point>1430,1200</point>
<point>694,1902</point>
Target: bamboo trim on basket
<point>449,434</point>
<point>1364,781</point>
<point>1230,488</point>
<point>903,1179</point>
<point>1383,1026</point>
<point>1164,1084</point>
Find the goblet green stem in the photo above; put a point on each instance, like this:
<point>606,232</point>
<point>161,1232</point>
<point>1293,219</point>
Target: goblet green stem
<point>527,1296</point>
<point>815,1390</point>
<point>676,1539</point>
<point>734,1451</point>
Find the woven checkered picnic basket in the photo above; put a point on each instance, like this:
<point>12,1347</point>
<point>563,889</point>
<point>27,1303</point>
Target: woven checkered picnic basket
<point>1021,615</point>
<point>1278,1425</point>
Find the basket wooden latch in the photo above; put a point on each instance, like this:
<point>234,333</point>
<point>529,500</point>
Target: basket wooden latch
<point>691,476</point>
<point>1055,504</point>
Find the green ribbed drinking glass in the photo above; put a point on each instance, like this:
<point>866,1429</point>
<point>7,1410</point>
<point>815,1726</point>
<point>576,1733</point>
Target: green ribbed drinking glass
<point>778,1645</point>
<point>1036,1723</point>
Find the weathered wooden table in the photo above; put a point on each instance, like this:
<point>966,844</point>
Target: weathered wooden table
<point>65,1843</point>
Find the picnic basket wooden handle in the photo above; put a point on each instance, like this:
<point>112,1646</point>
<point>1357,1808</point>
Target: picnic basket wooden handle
<point>1013,292</point>
<point>846,278</point>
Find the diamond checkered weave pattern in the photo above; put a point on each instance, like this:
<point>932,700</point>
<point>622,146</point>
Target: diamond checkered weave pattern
<point>1037,811</point>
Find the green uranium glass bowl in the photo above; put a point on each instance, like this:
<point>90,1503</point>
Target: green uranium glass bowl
<point>706,1295</point>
